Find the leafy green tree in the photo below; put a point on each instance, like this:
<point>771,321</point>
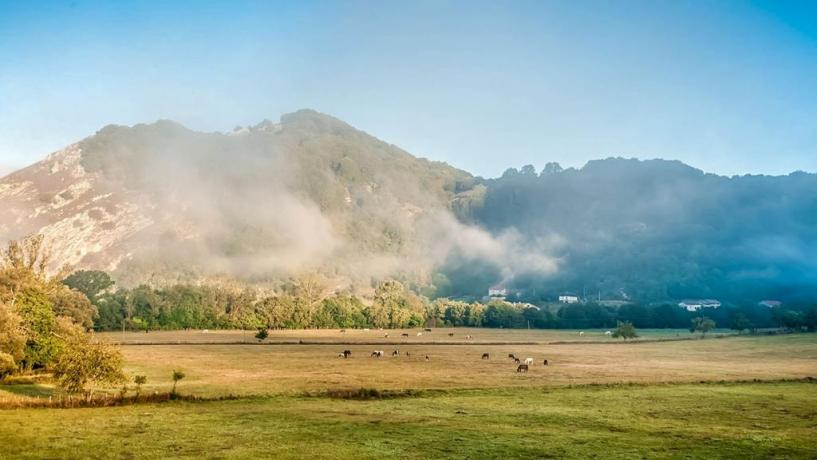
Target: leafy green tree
<point>502,314</point>
<point>89,282</point>
<point>740,322</point>
<point>39,324</point>
<point>85,362</point>
<point>12,339</point>
<point>702,324</point>
<point>7,365</point>
<point>75,305</point>
<point>625,330</point>
<point>810,318</point>
<point>262,334</point>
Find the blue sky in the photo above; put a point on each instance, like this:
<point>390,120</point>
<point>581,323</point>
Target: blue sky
<point>729,87</point>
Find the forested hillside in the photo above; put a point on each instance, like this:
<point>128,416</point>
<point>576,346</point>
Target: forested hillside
<point>655,230</point>
<point>269,204</point>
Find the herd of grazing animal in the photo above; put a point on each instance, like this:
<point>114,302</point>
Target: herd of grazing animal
<point>523,366</point>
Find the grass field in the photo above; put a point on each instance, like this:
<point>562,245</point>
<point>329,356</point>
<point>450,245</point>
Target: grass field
<point>441,335</point>
<point>765,420</point>
<point>597,397</point>
<point>252,369</point>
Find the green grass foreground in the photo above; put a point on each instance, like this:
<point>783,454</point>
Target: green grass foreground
<point>662,420</point>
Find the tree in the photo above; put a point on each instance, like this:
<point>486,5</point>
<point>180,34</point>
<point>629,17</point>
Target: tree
<point>75,305</point>
<point>39,324</point>
<point>7,365</point>
<point>702,324</point>
<point>12,340</point>
<point>551,168</point>
<point>89,282</point>
<point>625,330</point>
<point>24,265</point>
<point>528,170</point>
<point>177,375</point>
<point>740,322</point>
<point>38,299</point>
<point>810,318</point>
<point>262,334</point>
<point>139,380</point>
<point>85,362</point>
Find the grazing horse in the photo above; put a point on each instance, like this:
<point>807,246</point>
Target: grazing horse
<point>377,354</point>
<point>404,334</point>
<point>510,355</point>
<point>451,334</point>
<point>419,334</point>
<point>486,356</point>
<point>426,357</point>
<point>522,368</point>
<point>347,353</point>
<point>545,363</point>
<point>528,361</point>
<point>343,330</point>
<point>408,354</point>
<point>395,353</point>
<point>516,360</point>
<point>427,329</point>
<point>386,335</point>
<point>581,334</point>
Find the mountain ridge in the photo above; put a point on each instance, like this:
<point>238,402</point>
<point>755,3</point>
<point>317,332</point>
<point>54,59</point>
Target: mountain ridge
<point>310,193</point>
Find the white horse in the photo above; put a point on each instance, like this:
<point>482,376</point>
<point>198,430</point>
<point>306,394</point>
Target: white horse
<point>529,361</point>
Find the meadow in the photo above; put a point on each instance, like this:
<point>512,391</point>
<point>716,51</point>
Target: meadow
<point>758,420</point>
<point>665,395</point>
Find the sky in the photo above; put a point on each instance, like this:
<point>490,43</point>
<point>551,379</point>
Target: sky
<point>726,86</point>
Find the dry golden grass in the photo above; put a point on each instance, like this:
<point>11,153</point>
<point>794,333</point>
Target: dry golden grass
<point>251,369</point>
<point>440,335</point>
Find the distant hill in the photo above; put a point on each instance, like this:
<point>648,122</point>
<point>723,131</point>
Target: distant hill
<point>311,194</point>
<point>655,230</point>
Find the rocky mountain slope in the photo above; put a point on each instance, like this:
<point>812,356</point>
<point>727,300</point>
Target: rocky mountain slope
<point>265,202</point>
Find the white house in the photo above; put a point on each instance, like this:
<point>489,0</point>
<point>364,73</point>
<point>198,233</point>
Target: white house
<point>497,291</point>
<point>697,304</point>
<point>770,303</point>
<point>568,298</point>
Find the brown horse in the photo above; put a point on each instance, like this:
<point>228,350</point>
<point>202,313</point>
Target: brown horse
<point>545,363</point>
<point>517,361</point>
<point>347,353</point>
<point>486,356</point>
<point>522,368</point>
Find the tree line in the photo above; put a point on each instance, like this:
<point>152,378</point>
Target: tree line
<point>304,303</point>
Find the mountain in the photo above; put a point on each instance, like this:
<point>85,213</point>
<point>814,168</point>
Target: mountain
<point>310,194</point>
<point>655,230</point>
